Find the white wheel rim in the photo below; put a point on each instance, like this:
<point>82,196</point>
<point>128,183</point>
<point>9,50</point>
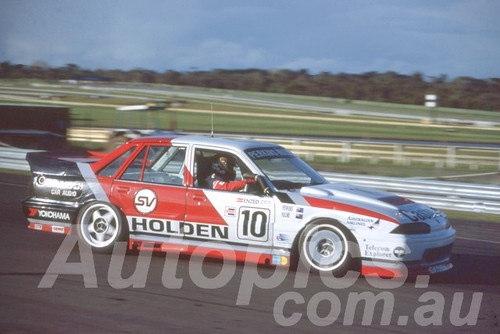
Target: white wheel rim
<point>99,225</point>
<point>325,247</point>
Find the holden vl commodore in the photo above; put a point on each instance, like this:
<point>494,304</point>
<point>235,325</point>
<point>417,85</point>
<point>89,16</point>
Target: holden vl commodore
<point>248,200</point>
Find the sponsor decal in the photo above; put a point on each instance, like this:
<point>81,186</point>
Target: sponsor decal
<point>279,260</point>
<point>145,201</point>
<point>377,251</point>
<point>368,222</point>
<point>38,227</point>
<point>175,228</point>
<point>374,225</point>
<point>64,193</point>
<point>399,252</point>
<point>230,211</point>
<point>286,211</point>
<point>57,229</point>
<point>282,237</point>
<point>54,215</point>
<point>359,221</point>
<point>71,189</point>
<point>255,201</point>
<point>299,213</point>
<point>32,212</point>
<point>59,184</point>
<point>49,214</point>
<point>268,153</point>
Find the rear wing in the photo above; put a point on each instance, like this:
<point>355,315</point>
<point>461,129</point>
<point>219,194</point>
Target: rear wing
<point>57,163</point>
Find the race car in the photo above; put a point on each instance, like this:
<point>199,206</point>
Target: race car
<point>242,199</point>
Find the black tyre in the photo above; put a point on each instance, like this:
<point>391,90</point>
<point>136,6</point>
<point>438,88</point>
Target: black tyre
<point>324,246</point>
<point>100,225</point>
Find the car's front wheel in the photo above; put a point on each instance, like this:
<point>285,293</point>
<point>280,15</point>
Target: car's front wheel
<point>326,247</point>
<point>100,225</point>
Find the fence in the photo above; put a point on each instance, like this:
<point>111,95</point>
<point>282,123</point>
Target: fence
<point>401,154</point>
<point>456,196</point>
<point>371,151</point>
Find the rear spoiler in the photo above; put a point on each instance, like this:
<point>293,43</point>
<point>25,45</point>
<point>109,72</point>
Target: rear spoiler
<point>57,163</point>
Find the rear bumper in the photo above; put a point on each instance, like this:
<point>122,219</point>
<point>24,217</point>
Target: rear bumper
<point>50,216</point>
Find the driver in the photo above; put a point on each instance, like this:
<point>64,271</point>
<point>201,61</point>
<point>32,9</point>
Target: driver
<point>223,175</point>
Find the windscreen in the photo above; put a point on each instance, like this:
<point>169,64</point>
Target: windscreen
<point>284,170</point>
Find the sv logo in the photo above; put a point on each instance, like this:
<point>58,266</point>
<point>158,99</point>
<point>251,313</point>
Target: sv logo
<point>145,201</point>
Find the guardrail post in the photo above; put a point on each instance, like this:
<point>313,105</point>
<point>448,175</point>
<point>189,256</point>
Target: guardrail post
<point>345,156</point>
<point>451,156</point>
<point>398,155</point>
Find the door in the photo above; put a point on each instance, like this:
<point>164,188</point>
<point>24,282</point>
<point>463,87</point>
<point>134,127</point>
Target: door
<point>151,191</point>
<point>240,216</point>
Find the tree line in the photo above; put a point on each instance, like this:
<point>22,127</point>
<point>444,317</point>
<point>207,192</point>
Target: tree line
<point>391,87</point>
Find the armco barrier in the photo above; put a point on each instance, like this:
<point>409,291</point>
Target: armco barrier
<point>440,155</point>
<point>14,158</point>
<point>454,196</point>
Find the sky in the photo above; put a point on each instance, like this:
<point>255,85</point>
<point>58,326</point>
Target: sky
<point>433,37</point>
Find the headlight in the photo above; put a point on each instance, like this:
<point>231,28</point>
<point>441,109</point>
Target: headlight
<point>448,224</point>
<point>412,228</point>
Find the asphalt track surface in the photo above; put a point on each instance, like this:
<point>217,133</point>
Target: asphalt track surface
<point>188,295</point>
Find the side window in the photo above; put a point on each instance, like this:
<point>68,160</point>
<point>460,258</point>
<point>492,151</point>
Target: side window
<point>134,170</point>
<point>206,166</point>
<point>157,164</point>
<point>165,165</point>
<point>111,169</point>
<point>203,167</point>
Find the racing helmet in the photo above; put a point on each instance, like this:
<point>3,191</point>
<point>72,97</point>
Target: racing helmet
<point>223,168</point>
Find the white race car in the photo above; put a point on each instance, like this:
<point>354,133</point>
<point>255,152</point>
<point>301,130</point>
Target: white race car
<point>243,199</point>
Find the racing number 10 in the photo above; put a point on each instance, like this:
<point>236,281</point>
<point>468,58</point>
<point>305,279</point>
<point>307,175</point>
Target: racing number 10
<point>253,224</point>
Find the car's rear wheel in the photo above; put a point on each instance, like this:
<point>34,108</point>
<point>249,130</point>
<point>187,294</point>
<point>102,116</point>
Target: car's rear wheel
<point>326,247</point>
<point>100,225</point>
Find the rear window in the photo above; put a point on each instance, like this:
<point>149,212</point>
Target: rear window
<point>111,169</point>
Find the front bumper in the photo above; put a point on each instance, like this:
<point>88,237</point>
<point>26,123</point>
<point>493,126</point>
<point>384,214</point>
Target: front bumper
<point>408,255</point>
<point>402,269</point>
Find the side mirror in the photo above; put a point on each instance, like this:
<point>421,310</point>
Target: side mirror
<point>263,184</point>
<point>259,179</point>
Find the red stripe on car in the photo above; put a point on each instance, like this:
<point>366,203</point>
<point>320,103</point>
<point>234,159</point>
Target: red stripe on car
<point>331,205</point>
